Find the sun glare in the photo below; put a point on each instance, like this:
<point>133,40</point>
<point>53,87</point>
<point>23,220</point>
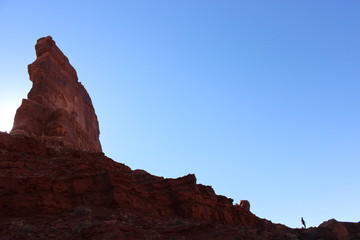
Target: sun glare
<point>7,114</point>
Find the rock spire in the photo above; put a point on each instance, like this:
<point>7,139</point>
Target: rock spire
<point>58,110</point>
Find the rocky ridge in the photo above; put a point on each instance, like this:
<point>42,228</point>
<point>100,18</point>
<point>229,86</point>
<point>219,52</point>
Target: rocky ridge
<point>55,182</point>
<point>40,185</point>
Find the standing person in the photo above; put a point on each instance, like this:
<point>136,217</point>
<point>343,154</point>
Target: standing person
<point>303,222</point>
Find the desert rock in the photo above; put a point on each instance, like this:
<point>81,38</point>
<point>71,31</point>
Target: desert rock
<point>58,110</point>
<point>245,204</point>
<point>55,182</point>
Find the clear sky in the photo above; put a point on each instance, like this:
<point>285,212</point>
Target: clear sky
<point>260,99</point>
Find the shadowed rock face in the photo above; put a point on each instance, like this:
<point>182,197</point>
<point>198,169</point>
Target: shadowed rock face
<point>58,111</point>
<point>56,184</point>
<point>71,194</point>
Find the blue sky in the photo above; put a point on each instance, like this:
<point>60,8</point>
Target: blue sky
<point>260,99</point>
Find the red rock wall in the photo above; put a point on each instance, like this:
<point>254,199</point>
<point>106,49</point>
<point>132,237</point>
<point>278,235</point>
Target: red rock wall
<point>35,179</point>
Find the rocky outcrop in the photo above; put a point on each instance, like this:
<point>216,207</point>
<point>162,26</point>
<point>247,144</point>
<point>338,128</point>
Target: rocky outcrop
<point>338,229</point>
<point>56,164</point>
<point>331,230</point>
<point>37,182</point>
<point>58,110</point>
<point>245,204</point>
<point>55,183</point>
<point>69,194</point>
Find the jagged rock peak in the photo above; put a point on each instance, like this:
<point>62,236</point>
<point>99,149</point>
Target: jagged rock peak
<point>59,110</point>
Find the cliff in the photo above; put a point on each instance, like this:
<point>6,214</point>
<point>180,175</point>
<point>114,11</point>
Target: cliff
<point>55,182</point>
<point>58,111</point>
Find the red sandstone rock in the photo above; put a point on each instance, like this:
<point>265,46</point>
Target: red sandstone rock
<point>37,182</point>
<point>337,228</point>
<point>69,194</point>
<point>245,204</point>
<point>56,184</point>
<point>58,111</point>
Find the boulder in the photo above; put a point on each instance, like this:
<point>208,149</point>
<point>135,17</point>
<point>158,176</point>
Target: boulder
<point>245,204</point>
<point>338,229</point>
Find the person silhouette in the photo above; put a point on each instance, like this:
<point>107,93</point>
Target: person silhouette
<point>303,222</point>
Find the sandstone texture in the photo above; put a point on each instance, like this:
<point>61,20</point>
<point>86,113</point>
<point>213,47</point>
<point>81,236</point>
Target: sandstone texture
<point>55,183</point>
<point>48,193</point>
<point>70,194</point>
<point>58,110</point>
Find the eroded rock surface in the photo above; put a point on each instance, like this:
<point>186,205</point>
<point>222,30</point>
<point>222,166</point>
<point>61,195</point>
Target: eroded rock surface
<point>40,186</point>
<point>58,110</point>
<point>50,194</point>
<point>55,183</point>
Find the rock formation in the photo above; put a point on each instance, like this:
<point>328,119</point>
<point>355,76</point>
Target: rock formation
<point>58,111</point>
<point>43,187</point>
<point>339,229</point>
<point>245,204</point>
<point>55,183</point>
